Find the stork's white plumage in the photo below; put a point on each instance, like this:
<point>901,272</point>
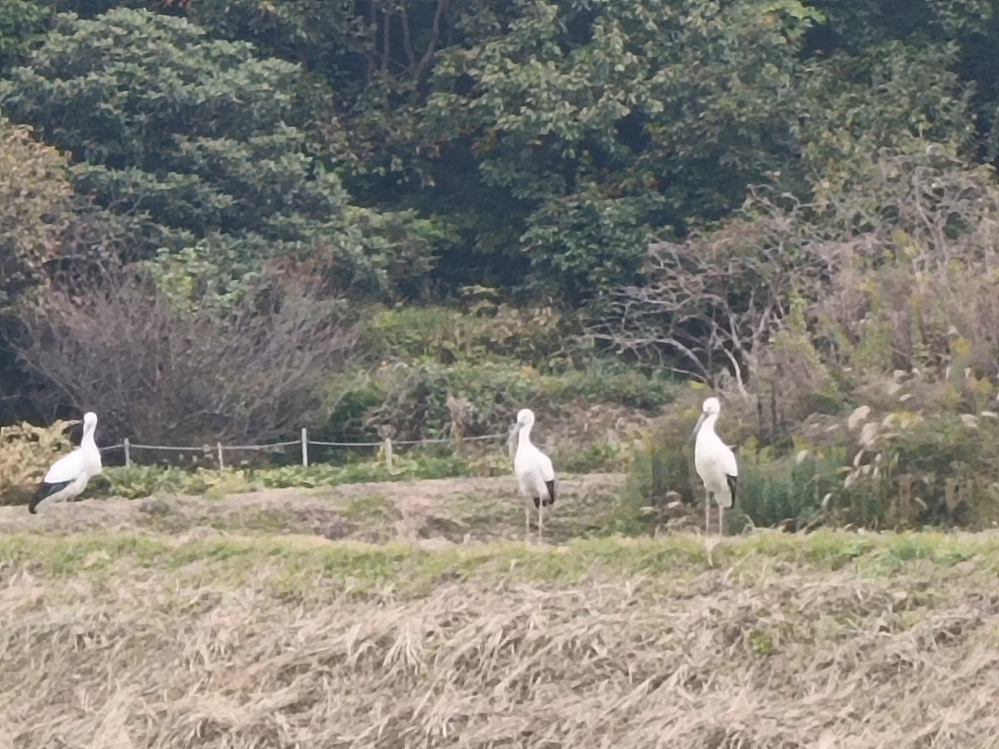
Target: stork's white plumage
<point>535,474</point>
<point>715,463</point>
<point>69,475</point>
<point>511,441</point>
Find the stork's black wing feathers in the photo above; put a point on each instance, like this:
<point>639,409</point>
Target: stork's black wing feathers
<point>731,487</point>
<point>46,490</point>
<point>551,493</point>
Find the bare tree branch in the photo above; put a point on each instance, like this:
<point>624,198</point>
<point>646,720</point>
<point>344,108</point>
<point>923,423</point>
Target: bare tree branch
<point>711,296</point>
<point>407,40</point>
<point>435,36</point>
<point>908,241</point>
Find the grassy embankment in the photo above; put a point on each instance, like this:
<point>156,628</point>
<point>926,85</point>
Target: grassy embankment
<point>412,615</point>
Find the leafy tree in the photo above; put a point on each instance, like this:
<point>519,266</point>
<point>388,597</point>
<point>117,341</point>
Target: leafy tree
<point>200,143</point>
<point>571,133</point>
<point>35,203</point>
<point>968,30</point>
<point>378,58</point>
<point>894,96</point>
<point>625,120</point>
<point>21,25</point>
<point>620,119</point>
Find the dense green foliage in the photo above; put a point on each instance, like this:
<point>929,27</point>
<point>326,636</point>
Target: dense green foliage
<point>531,144</point>
<point>199,142</point>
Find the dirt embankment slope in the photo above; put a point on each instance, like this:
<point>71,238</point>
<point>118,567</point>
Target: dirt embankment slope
<point>457,509</point>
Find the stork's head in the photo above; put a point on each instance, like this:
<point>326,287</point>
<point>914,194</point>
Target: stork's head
<point>525,417</point>
<point>711,407</point>
<point>89,422</point>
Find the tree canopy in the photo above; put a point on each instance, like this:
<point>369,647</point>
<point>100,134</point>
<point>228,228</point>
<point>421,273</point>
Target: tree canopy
<point>199,142</point>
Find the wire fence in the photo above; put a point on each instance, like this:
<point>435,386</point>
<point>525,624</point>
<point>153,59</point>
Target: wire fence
<point>304,442</point>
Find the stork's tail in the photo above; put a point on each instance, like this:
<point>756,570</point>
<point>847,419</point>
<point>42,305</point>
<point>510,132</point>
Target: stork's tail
<point>550,500</point>
<point>45,490</point>
<point>731,487</point>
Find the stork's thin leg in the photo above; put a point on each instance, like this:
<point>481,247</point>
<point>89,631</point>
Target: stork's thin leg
<point>541,522</point>
<point>707,512</point>
<point>721,525</point>
<point>527,524</point>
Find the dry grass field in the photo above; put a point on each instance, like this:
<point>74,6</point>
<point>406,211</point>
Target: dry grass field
<point>413,615</point>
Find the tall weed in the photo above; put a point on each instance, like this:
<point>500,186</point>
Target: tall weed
<point>26,452</point>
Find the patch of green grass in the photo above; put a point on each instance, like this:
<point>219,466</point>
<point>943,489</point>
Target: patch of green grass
<point>588,513</point>
<point>255,520</point>
<point>371,509</point>
<point>408,570</point>
<point>136,482</point>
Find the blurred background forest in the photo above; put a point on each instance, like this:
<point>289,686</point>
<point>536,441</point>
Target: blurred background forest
<point>229,219</point>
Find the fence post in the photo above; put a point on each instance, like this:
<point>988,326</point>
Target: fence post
<point>305,447</point>
<point>221,461</point>
<point>388,454</point>
<point>128,455</point>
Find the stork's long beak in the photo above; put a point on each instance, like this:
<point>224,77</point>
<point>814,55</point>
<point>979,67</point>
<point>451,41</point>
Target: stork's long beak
<point>697,426</point>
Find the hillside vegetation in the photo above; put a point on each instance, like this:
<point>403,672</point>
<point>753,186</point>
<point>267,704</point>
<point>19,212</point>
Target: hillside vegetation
<point>228,220</point>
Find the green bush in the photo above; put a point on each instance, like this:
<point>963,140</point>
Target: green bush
<point>136,482</point>
<point>404,468</point>
<point>792,490</point>
<point>489,330</point>
<point>415,396</point>
<point>604,458</point>
<point>608,381</point>
<point>661,470</point>
<point>348,399</point>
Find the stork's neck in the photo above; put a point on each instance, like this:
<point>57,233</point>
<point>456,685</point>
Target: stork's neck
<point>88,435</point>
<point>708,427</point>
<point>525,435</point>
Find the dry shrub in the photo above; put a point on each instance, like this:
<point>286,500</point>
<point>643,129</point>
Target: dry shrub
<point>781,656</point>
<point>712,302</point>
<point>117,345</point>
<point>897,269</point>
<point>922,272</point>
<point>922,454</point>
<point>918,451</point>
<point>26,452</point>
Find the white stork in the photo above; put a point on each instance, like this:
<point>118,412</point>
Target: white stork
<point>69,475</point>
<point>535,474</point>
<point>715,463</point>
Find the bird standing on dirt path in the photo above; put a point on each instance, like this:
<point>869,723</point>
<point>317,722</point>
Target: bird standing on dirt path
<point>69,475</point>
<point>535,474</point>
<point>715,463</point>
